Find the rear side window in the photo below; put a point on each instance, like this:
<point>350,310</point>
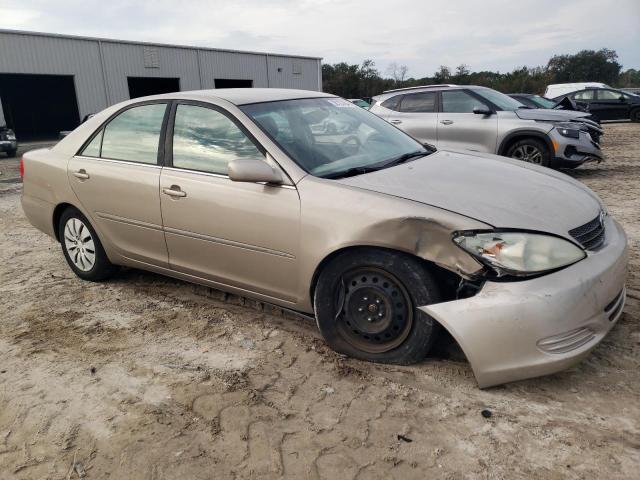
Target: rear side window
<point>419,103</point>
<point>207,140</point>
<point>459,101</point>
<point>392,103</point>
<point>584,95</point>
<point>134,135</point>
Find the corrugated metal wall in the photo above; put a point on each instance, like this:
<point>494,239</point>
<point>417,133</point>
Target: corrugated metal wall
<point>101,67</point>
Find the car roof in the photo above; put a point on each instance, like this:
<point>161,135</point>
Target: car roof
<point>243,96</point>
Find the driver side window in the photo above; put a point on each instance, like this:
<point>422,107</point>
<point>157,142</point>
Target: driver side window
<point>459,101</point>
<point>206,140</point>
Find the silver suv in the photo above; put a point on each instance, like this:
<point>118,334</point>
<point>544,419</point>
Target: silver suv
<point>453,117</point>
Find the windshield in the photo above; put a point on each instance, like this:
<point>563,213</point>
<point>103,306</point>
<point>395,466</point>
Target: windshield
<point>327,136</point>
<point>500,100</point>
<point>541,101</point>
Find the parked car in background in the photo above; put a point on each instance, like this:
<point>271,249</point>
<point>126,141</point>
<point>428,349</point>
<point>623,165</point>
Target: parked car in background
<point>484,120</point>
<point>384,240</point>
<point>8,142</point>
<point>560,89</point>
<point>359,102</point>
<point>606,103</point>
<point>64,133</point>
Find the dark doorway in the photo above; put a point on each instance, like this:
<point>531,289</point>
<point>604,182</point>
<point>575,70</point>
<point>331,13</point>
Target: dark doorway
<point>231,83</point>
<point>37,107</point>
<point>143,86</point>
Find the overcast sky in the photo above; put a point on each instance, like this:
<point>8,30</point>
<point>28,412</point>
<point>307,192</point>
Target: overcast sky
<point>422,34</point>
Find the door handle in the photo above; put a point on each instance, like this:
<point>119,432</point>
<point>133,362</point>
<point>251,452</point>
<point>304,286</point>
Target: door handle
<point>81,174</point>
<point>174,191</point>
<point>446,122</point>
<point>395,122</point>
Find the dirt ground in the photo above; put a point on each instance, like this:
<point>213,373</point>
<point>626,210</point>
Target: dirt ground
<point>145,377</point>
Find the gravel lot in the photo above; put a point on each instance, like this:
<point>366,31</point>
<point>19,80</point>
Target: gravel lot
<point>145,377</point>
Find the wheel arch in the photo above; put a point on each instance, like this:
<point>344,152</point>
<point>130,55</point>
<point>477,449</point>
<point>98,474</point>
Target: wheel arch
<point>445,277</point>
<point>57,214</point>
<point>513,137</point>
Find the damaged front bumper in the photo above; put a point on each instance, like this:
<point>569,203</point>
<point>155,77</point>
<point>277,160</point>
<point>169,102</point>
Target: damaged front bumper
<point>515,330</point>
<point>570,152</point>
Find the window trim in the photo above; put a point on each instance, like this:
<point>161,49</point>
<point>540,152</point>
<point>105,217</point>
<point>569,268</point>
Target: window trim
<point>168,139</point>
<point>100,131</point>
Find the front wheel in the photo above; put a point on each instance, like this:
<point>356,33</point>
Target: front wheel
<point>530,150</point>
<point>82,248</point>
<point>366,306</point>
<point>635,115</point>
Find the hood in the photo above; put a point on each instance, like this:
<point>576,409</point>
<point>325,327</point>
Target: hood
<point>549,115</point>
<point>501,192</point>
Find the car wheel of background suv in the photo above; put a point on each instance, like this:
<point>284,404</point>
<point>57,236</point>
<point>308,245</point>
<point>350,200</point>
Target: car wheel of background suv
<point>366,306</point>
<point>530,150</point>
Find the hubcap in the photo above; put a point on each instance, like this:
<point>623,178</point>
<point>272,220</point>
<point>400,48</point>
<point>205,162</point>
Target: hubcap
<point>375,313</point>
<point>79,244</point>
<point>528,153</point>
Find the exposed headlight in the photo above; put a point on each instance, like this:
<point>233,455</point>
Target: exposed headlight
<point>568,132</point>
<point>519,253</point>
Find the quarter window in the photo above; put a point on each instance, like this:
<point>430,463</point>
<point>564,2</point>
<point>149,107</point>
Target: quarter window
<point>207,140</point>
<point>419,103</point>
<point>459,101</point>
<point>134,135</point>
<point>93,149</point>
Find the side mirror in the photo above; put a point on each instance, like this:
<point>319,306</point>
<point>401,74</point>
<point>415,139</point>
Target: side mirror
<point>253,171</point>
<point>482,111</point>
<point>622,99</point>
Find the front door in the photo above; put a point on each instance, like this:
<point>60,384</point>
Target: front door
<point>243,235</point>
<point>460,128</point>
<point>610,105</point>
<point>116,178</point>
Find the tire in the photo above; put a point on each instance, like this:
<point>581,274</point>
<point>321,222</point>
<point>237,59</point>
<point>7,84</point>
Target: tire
<point>634,116</point>
<point>82,248</point>
<point>365,304</point>
<point>530,150</point>
<point>11,153</point>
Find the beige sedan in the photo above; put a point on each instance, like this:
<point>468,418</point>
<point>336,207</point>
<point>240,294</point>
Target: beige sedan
<point>304,200</point>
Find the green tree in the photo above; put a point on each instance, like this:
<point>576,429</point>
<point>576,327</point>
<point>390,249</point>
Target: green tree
<point>586,66</point>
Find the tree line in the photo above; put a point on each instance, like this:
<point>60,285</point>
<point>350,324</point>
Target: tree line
<point>364,80</point>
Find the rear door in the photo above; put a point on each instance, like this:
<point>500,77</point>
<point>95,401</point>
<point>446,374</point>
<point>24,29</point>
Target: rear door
<point>610,105</point>
<point>584,98</point>
<point>116,180</point>
<point>235,233</point>
<point>459,128</point>
<point>418,116</point>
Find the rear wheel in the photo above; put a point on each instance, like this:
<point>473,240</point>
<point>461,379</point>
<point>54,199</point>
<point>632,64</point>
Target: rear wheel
<point>530,150</point>
<point>82,248</point>
<point>366,306</point>
<point>635,115</point>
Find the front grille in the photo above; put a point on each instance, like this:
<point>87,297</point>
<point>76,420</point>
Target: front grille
<point>591,234</point>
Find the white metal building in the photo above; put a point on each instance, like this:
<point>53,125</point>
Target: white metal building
<point>50,82</point>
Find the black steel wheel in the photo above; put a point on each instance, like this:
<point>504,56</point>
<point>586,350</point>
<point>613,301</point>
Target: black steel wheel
<point>366,306</point>
<point>375,310</point>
